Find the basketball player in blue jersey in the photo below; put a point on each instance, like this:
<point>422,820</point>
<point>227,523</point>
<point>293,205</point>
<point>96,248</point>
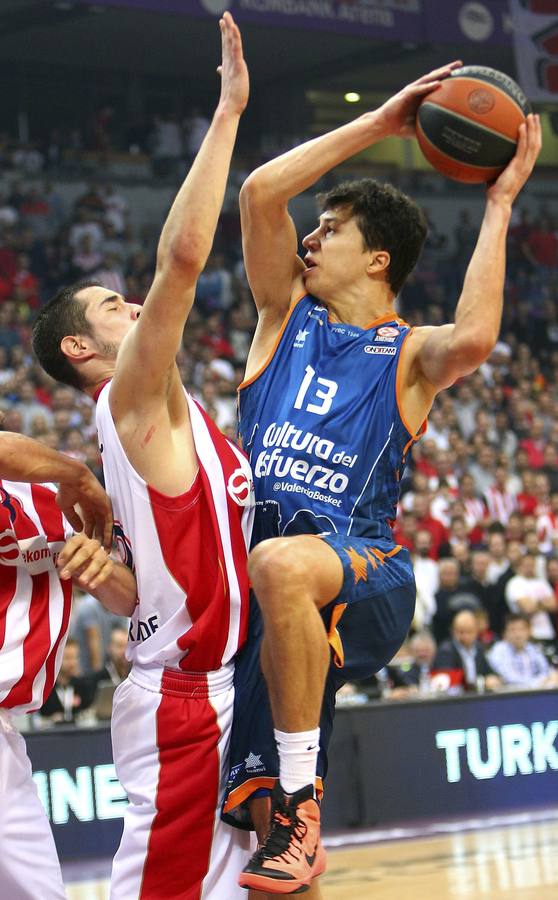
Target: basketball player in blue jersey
<point>337,390</point>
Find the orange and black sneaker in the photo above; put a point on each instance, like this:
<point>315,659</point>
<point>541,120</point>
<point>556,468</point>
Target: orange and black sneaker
<point>292,854</point>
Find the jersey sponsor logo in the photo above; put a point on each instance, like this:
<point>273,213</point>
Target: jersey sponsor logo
<point>9,549</point>
<point>35,554</point>
<point>300,338</point>
<point>387,333</point>
<point>380,351</point>
<point>141,629</point>
<point>280,465</point>
<point>240,488</point>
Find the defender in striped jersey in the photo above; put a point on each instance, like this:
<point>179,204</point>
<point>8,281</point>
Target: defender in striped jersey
<point>38,557</point>
<point>183,500</point>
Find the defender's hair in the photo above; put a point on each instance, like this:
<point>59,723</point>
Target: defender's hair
<point>387,219</point>
<point>61,316</point>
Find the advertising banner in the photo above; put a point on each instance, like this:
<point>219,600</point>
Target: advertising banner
<point>416,21</point>
<point>389,763</point>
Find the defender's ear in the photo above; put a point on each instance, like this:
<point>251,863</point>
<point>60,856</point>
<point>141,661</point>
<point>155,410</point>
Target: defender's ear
<point>379,262</point>
<point>76,349</point>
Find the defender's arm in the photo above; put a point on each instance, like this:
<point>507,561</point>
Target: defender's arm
<point>148,352</point>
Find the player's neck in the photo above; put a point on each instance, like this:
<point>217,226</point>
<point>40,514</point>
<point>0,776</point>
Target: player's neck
<point>352,308</point>
<point>97,379</point>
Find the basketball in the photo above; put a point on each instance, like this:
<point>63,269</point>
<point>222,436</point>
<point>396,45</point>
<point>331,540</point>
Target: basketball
<point>468,128</point>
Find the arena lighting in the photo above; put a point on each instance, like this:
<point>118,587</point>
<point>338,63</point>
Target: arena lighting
<point>352,97</point>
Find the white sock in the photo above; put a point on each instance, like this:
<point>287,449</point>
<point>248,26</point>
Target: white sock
<point>298,758</point>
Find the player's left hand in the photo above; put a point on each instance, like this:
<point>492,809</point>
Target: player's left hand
<point>397,115</point>
<point>85,560</point>
<point>509,183</point>
<point>87,506</point>
<point>235,84</point>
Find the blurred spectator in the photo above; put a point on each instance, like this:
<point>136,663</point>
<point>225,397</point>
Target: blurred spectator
<point>196,127</point>
<point>167,146</point>
<point>427,580</point>
<point>413,675</point>
<point>518,661</point>
<point>498,562</point>
<point>116,667</point>
<point>483,469</point>
<point>534,444</point>
<point>427,522</point>
<point>534,598</point>
<point>500,502</point>
<point>464,652</point>
<point>547,527</point>
<point>72,693</point>
<point>92,629</point>
<point>450,598</point>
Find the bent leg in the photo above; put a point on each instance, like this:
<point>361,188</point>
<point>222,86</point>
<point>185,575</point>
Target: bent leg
<point>293,578</point>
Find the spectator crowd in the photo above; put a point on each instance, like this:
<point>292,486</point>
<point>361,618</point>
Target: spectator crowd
<point>479,502</point>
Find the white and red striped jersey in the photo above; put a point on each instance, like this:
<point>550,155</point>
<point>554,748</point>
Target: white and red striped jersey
<point>501,504</point>
<point>34,604</point>
<point>547,530</point>
<point>188,552</point>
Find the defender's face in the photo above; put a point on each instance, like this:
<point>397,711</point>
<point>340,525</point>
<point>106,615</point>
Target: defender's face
<point>110,315</point>
<point>336,256</point>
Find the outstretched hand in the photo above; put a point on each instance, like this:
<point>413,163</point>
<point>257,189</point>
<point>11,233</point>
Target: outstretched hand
<point>235,84</point>
<point>398,114</point>
<point>507,186</point>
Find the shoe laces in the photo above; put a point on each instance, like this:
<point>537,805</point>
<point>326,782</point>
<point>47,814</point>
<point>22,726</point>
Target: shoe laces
<point>285,824</point>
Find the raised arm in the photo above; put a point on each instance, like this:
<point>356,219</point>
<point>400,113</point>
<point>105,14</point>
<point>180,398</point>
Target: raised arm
<point>80,497</point>
<point>448,352</point>
<point>269,237</point>
<point>150,348</point>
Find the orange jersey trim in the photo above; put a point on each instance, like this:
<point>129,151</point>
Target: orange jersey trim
<point>414,436</point>
<point>243,793</point>
<point>265,364</point>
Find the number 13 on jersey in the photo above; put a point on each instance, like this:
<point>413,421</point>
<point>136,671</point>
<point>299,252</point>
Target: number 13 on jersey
<point>325,393</point>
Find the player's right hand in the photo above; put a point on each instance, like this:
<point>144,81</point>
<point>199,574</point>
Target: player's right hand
<point>87,507</point>
<point>396,117</point>
<point>85,560</point>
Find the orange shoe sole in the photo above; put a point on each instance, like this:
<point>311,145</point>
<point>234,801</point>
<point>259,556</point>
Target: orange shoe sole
<point>270,885</point>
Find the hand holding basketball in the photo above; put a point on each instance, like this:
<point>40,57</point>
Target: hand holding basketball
<point>468,129</point>
<point>397,115</point>
<point>509,183</point>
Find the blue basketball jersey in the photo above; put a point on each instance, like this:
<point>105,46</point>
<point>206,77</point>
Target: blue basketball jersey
<point>323,429</point>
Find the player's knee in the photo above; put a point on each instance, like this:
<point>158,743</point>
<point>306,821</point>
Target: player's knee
<point>273,565</point>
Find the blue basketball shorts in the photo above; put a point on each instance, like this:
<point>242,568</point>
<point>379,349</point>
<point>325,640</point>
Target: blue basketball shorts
<point>366,625</point>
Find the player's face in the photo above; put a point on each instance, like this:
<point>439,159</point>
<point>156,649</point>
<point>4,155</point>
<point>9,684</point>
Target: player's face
<point>110,315</point>
<point>336,259</point>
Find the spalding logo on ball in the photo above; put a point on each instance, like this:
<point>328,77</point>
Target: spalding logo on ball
<point>468,127</point>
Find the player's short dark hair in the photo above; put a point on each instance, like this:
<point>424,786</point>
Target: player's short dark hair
<point>61,316</point>
<point>387,219</point>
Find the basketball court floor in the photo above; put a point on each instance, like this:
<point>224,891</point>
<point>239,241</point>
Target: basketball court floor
<point>503,858</point>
